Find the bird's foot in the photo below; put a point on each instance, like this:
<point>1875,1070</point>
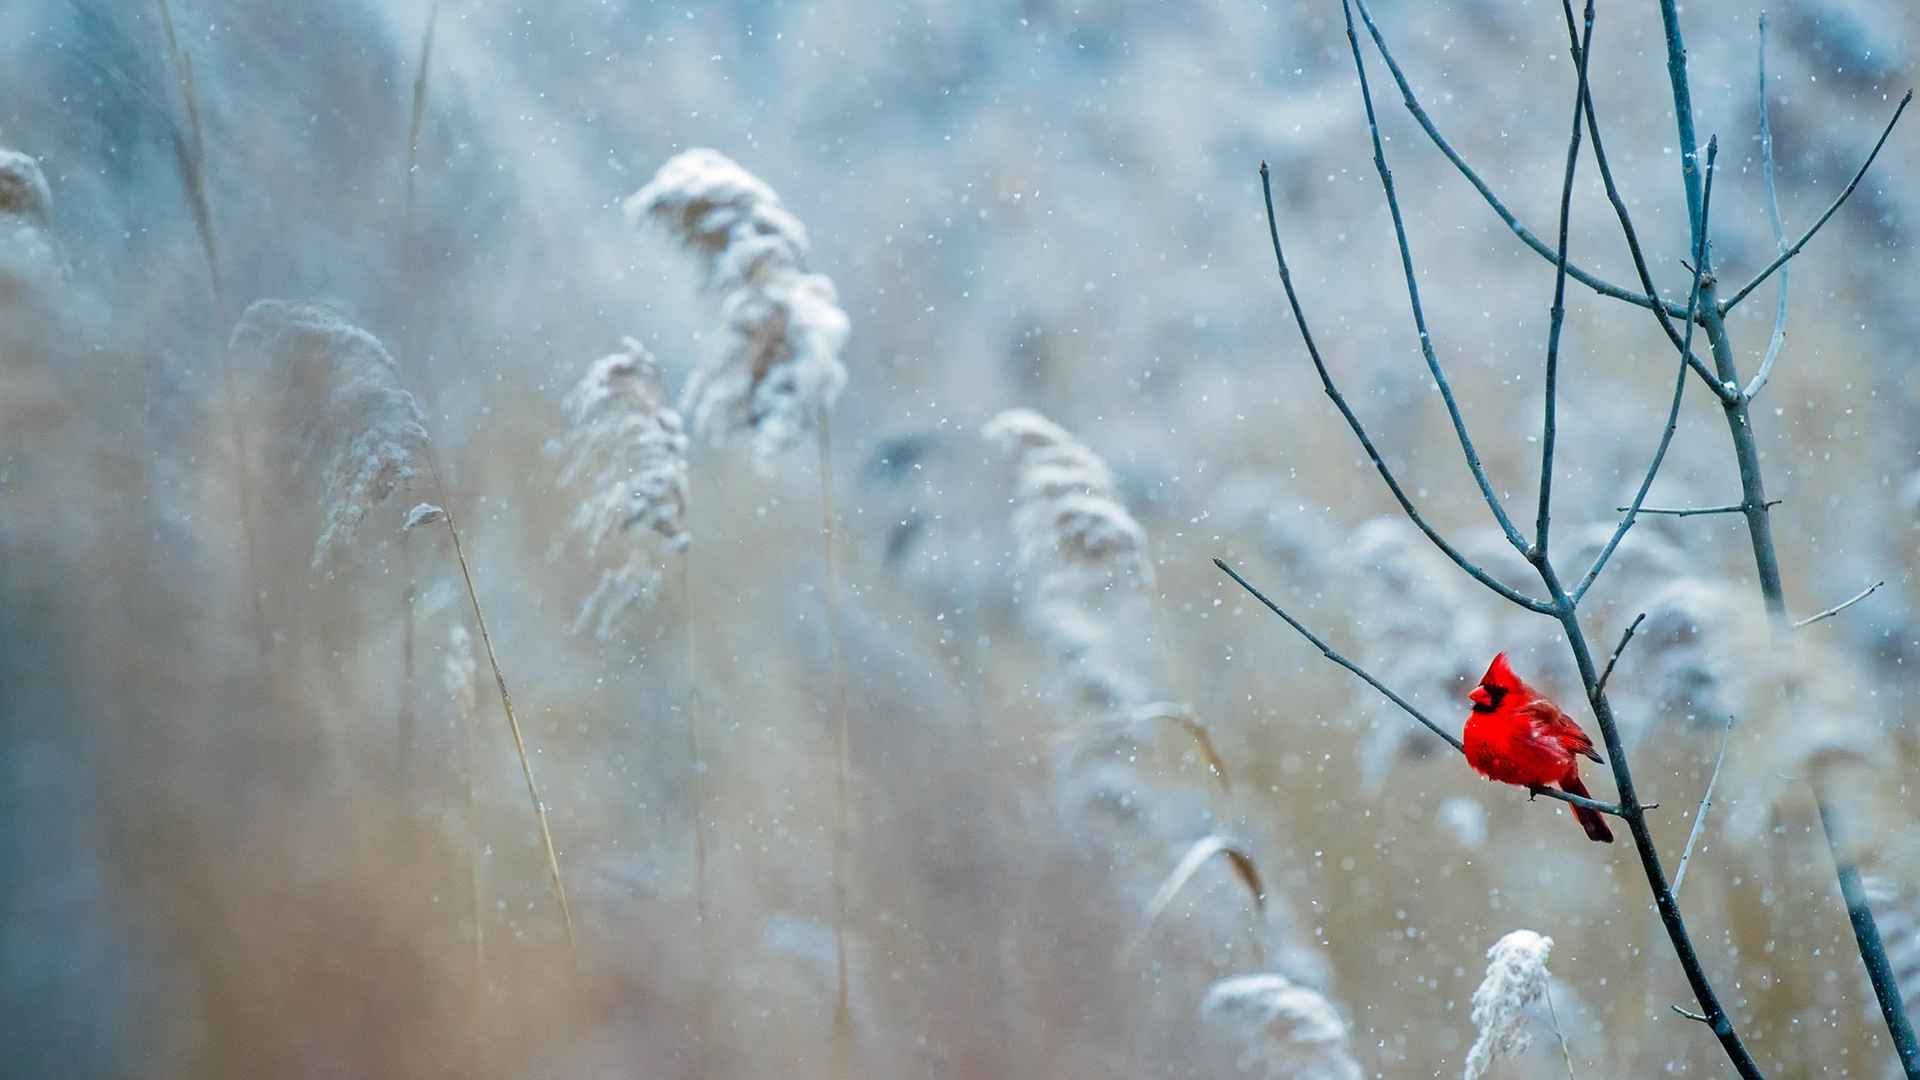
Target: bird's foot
<point>1533,792</point>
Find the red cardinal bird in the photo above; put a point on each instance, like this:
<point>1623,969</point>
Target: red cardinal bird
<point>1516,736</point>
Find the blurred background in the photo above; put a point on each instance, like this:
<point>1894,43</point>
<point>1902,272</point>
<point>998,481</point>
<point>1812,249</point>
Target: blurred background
<point>253,829</point>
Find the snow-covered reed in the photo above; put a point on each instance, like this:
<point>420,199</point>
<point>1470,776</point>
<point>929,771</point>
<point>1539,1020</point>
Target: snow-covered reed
<point>28,253</point>
<point>1515,983</point>
<point>1286,1029</point>
<point>339,406</point>
<point>626,448</point>
<point>776,369</point>
<point>1079,549</point>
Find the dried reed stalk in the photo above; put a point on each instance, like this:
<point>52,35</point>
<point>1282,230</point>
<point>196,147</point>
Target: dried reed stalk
<point>1203,849</point>
<point>1143,724</point>
<point>417,119</point>
<point>506,705</point>
<point>190,156</point>
<point>775,372</point>
<point>341,402</point>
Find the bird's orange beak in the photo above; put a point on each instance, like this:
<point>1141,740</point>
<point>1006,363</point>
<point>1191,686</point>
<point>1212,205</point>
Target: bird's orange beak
<point>1480,696</point>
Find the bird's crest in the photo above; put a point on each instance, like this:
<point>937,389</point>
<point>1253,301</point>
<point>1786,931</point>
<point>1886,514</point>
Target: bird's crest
<point>1500,674</point>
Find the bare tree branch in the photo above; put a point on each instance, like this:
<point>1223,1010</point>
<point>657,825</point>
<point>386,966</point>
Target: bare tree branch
<point>1766,559</point>
<point>1327,651</point>
<point>1696,511</point>
<point>1557,315</point>
<point>1604,288</point>
<point>1413,296</point>
<point>1387,692</point>
<point>1601,686</point>
<point>1873,951</point>
<point>1359,430</point>
<point>1779,228</point>
<point>1679,388</point>
<point>1815,227</point>
<point>1632,235</point>
<point>1839,607</point>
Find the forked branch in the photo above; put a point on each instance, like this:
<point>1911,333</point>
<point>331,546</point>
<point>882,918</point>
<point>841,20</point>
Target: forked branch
<point>1526,235</point>
<point>1413,297</point>
<point>1781,260</point>
<point>1387,692</point>
<point>1472,569</point>
<point>1561,604</point>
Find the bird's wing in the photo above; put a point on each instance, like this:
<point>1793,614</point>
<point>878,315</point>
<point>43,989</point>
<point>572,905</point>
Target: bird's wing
<point>1551,722</point>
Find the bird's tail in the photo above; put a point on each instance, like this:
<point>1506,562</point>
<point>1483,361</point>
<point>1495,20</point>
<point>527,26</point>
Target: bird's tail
<point>1590,820</point>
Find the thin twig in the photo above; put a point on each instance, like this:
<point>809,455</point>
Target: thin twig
<point>1328,652</point>
<point>506,703</point>
<point>1359,430</point>
<point>1839,607</point>
<point>1691,1015</point>
<point>1386,691</point>
<point>1815,227</point>
<point>1553,1015</point>
<point>1700,816</point>
<point>1413,297</point>
<point>1557,315</point>
<point>1604,288</point>
<point>1695,511</point>
<point>1779,228</point>
<point>1601,686</point>
<point>1632,235</point>
<point>1679,388</point>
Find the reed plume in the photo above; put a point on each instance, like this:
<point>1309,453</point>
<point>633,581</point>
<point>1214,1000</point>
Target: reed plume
<point>341,398</point>
<point>1285,1029</point>
<point>627,449</point>
<point>1084,555</point>
<point>776,370</point>
<point>773,377</point>
<point>29,255</point>
<point>1516,981</point>
<point>626,446</point>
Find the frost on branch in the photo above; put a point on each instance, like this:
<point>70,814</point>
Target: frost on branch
<point>1516,981</point>
<point>626,449</point>
<point>339,406</point>
<point>776,367</point>
<point>1286,1030</point>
